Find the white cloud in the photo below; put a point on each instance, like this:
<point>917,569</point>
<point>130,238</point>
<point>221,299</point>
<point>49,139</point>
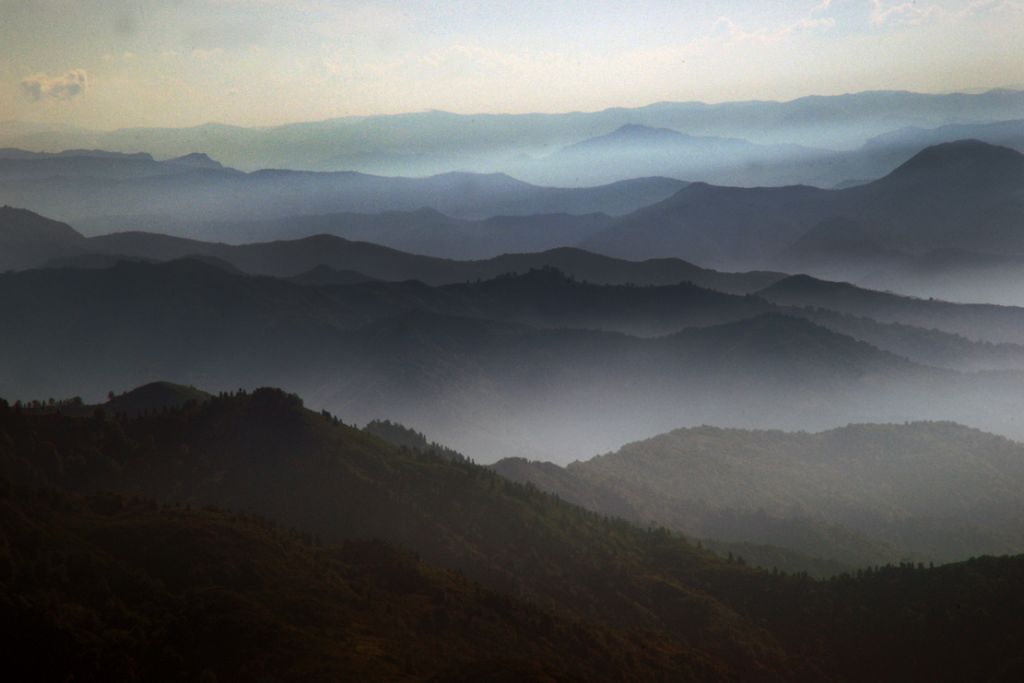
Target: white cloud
<point>994,6</point>
<point>67,87</point>
<point>914,14</point>
<point>812,21</point>
<point>903,13</point>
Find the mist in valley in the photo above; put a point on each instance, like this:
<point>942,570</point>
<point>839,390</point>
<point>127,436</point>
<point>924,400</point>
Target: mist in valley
<point>435,343</point>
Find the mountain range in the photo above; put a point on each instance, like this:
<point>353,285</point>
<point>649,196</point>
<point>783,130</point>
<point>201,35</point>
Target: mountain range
<point>535,365</point>
<point>637,151</point>
<point>89,188</point>
<point>926,204</point>
<point>32,241</point>
<point>684,392</point>
<point>944,223</point>
<point>432,142</point>
<point>957,336</point>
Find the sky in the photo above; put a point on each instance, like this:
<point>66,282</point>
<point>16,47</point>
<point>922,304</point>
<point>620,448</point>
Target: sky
<point>108,64</point>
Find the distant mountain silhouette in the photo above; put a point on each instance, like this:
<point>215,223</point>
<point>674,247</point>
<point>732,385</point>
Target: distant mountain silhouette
<point>890,149</point>
<point>547,298</point>
<point>18,226</point>
<point>973,321</point>
<point>635,311</point>
<point>323,275</point>
<point>634,150</point>
<point>631,133</point>
<point>723,226</point>
<point>137,191</point>
<point>962,195</point>
<point>904,231</point>
<point>28,239</point>
<point>432,142</point>
<point>196,160</point>
<point>424,231</point>
<point>491,367</point>
<point>291,258</point>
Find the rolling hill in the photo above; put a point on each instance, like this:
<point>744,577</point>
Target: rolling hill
<point>932,491</point>
<point>493,369</point>
<point>28,239</point>
<point>135,191</point>
<point>63,246</point>
<point>426,231</point>
<point>634,150</point>
<point>960,195</point>
<point>973,321</point>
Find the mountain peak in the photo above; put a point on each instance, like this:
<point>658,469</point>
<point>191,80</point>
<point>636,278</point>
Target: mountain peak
<point>804,284</point>
<point>963,158</point>
<point>636,129</point>
<point>154,397</point>
<point>631,133</point>
<point>196,160</point>
<point>21,226</point>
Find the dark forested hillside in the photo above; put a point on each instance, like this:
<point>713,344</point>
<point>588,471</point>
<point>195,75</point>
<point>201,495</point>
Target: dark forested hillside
<point>263,453</point>
<point>107,587</point>
<point>174,577</point>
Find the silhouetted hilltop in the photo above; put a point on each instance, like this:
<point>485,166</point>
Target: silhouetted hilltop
<point>966,162</point>
<point>324,275</point>
<point>20,226</point>
<point>962,195</point>
<point>716,226</point>
<point>30,240</point>
<point>175,195</point>
<point>512,366</point>
<point>291,258</point>
<point>973,321</point>
<point>629,134</point>
<point>424,231</point>
<point>154,397</point>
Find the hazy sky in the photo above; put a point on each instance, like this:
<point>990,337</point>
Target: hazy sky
<point>116,63</point>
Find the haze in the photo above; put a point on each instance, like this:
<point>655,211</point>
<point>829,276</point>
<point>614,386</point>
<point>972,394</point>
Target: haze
<point>108,64</point>
<point>512,341</point>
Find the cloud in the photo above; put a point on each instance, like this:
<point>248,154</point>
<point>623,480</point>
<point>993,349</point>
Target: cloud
<point>66,87</point>
<point>994,6</point>
<point>914,14</point>
<point>904,13</point>
<point>812,21</point>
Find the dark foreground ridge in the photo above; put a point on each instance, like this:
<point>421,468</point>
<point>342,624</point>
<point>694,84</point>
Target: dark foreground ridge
<point>179,574</point>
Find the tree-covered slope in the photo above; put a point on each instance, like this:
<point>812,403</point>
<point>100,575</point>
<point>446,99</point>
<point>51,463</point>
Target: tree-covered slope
<point>115,588</point>
<point>115,583</point>
<point>263,453</point>
<point>859,494</point>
